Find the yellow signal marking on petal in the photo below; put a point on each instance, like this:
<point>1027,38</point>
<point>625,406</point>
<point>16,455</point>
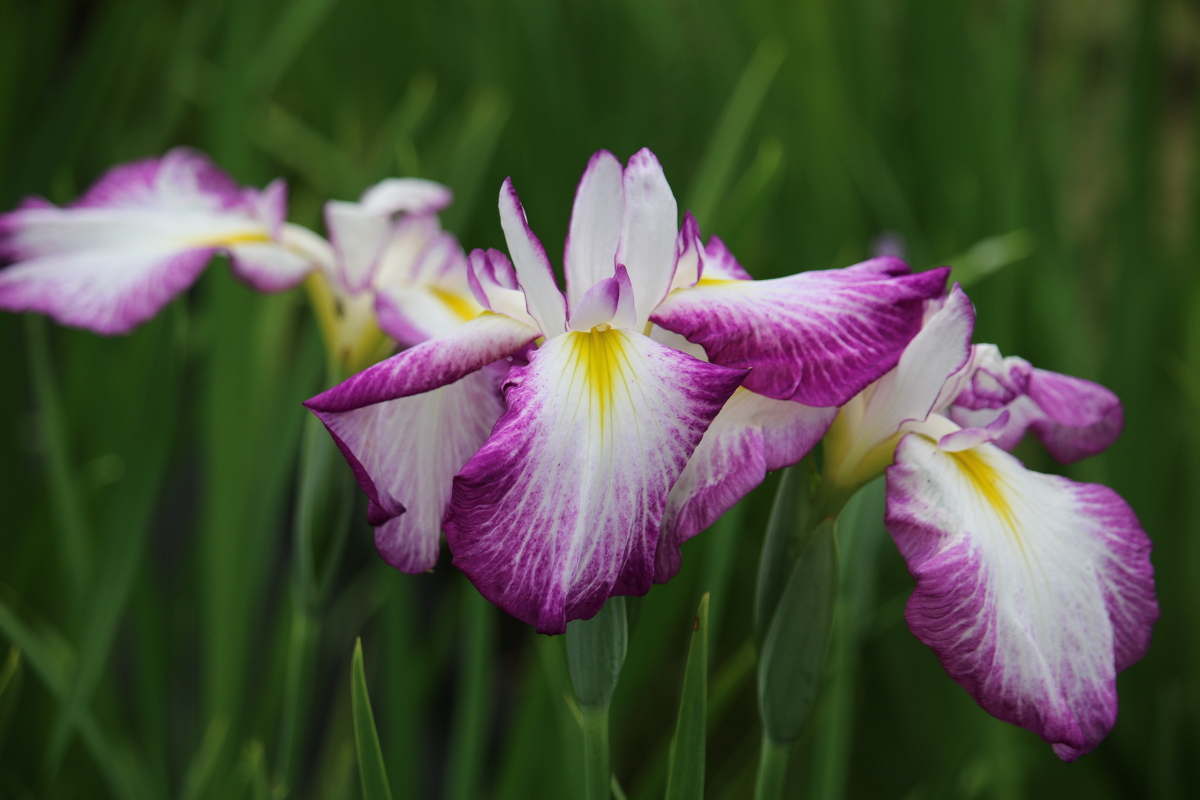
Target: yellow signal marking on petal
<point>466,309</point>
<point>599,355</point>
<point>707,281</point>
<point>249,237</point>
<point>987,482</point>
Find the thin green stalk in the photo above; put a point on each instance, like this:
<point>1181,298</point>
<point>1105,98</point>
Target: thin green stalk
<point>597,769</point>
<point>772,769</point>
<point>472,716</point>
<point>74,538</point>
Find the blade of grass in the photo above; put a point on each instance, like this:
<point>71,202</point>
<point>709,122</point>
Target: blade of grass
<point>467,163</point>
<point>473,698</point>
<point>298,22</point>
<point>685,775</point>
<point>370,756</point>
<point>716,167</point>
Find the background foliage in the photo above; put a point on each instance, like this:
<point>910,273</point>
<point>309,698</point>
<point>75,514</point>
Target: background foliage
<point>147,482</point>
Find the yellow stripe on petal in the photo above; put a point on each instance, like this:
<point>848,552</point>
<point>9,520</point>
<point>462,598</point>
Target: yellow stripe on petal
<point>987,483</point>
<point>465,308</point>
<point>599,358</point>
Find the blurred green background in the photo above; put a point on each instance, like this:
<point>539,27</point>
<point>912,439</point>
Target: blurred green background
<point>1047,150</point>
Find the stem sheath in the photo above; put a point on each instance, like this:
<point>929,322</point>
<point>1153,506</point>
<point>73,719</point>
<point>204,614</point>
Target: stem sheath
<point>772,769</point>
<point>597,769</point>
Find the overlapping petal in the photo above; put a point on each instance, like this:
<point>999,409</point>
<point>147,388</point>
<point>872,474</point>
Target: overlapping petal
<point>752,436</point>
<point>543,299</point>
<point>1033,590</point>
<point>591,246</point>
<point>405,453</point>
<point>1072,417</point>
<point>141,235</point>
<point>648,231</point>
<point>562,505</point>
<point>817,337</point>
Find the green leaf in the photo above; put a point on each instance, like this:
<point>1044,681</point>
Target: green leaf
<point>370,756</point>
<point>792,655</point>
<point>473,711</point>
<point>789,522</point>
<point>596,652</point>
<point>685,776</point>
<point>989,255</point>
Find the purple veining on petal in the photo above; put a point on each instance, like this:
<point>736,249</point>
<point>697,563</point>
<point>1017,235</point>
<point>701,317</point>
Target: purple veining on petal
<point>752,436</point>
<point>428,365</point>
<point>561,506</point>
<point>817,337</point>
<point>109,295</point>
<point>1034,606</point>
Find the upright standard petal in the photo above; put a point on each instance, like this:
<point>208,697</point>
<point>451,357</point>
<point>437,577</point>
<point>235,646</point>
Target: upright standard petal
<point>591,247</point>
<point>1072,417</point>
<point>817,337</point>
<point>406,195</point>
<point>141,235</point>
<point>752,436</point>
<point>649,228</point>
<point>405,453</point>
<point>358,236</point>
<point>544,300</point>
<point>1033,590</point>
<point>562,504</point>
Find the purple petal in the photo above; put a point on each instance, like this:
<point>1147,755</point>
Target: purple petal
<point>597,305</point>
<point>752,436</point>
<point>1033,590</point>
<point>562,505</point>
<point>818,337</point>
<point>544,301</point>
<point>405,453</point>
<point>595,227</point>
<point>429,365</point>
<point>1072,417</point>
<point>649,228</point>
<point>183,179</point>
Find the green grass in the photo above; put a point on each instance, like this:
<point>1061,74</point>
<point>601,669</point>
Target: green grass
<point>146,482</point>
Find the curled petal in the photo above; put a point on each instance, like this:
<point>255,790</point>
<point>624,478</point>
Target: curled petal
<point>752,436</point>
<point>405,453</point>
<point>1072,417</point>
<point>429,365</point>
<point>543,299</point>
<point>648,232</point>
<point>591,247</point>
<point>561,506</point>
<point>493,282</point>
<point>406,195</point>
<point>1033,590</point>
<point>818,337</point>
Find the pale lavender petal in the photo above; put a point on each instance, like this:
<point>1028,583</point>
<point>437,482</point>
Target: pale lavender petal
<point>752,436</point>
<point>563,503</point>
<point>428,365</point>
<point>1034,591</point>
<point>597,305</point>
<point>358,236</point>
<point>405,453</point>
<point>544,301</point>
<point>967,438</point>
<point>493,282</point>
<point>410,314</point>
<point>718,263</point>
<point>818,337</point>
<point>648,232</point>
<point>595,227</point>
<point>406,195</point>
<point>268,267</point>
<point>688,252</point>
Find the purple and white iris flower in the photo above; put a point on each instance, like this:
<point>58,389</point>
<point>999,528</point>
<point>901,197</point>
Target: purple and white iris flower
<point>391,268</point>
<point>142,235</point>
<point>635,409</point>
<point>1033,590</point>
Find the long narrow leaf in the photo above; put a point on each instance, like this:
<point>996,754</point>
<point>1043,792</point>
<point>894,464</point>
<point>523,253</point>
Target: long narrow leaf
<point>685,777</point>
<point>370,756</point>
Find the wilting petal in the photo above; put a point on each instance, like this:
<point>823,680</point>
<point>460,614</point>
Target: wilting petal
<point>141,235</point>
<point>595,227</point>
<point>405,453</point>
<point>648,232</point>
<point>752,436</point>
<point>406,195</point>
<point>816,337</point>
<point>429,365</point>
<point>1072,417</point>
<point>543,299</point>
<point>1033,590</point>
<point>566,496</point>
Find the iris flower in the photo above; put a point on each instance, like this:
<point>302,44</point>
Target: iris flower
<point>142,235</point>
<point>1033,590</point>
<point>608,394</point>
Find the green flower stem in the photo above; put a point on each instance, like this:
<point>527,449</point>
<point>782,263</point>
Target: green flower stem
<point>772,769</point>
<point>597,769</point>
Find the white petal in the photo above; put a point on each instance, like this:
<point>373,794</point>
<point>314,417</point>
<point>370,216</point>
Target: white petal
<point>649,229</point>
<point>595,226</point>
<point>544,300</point>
